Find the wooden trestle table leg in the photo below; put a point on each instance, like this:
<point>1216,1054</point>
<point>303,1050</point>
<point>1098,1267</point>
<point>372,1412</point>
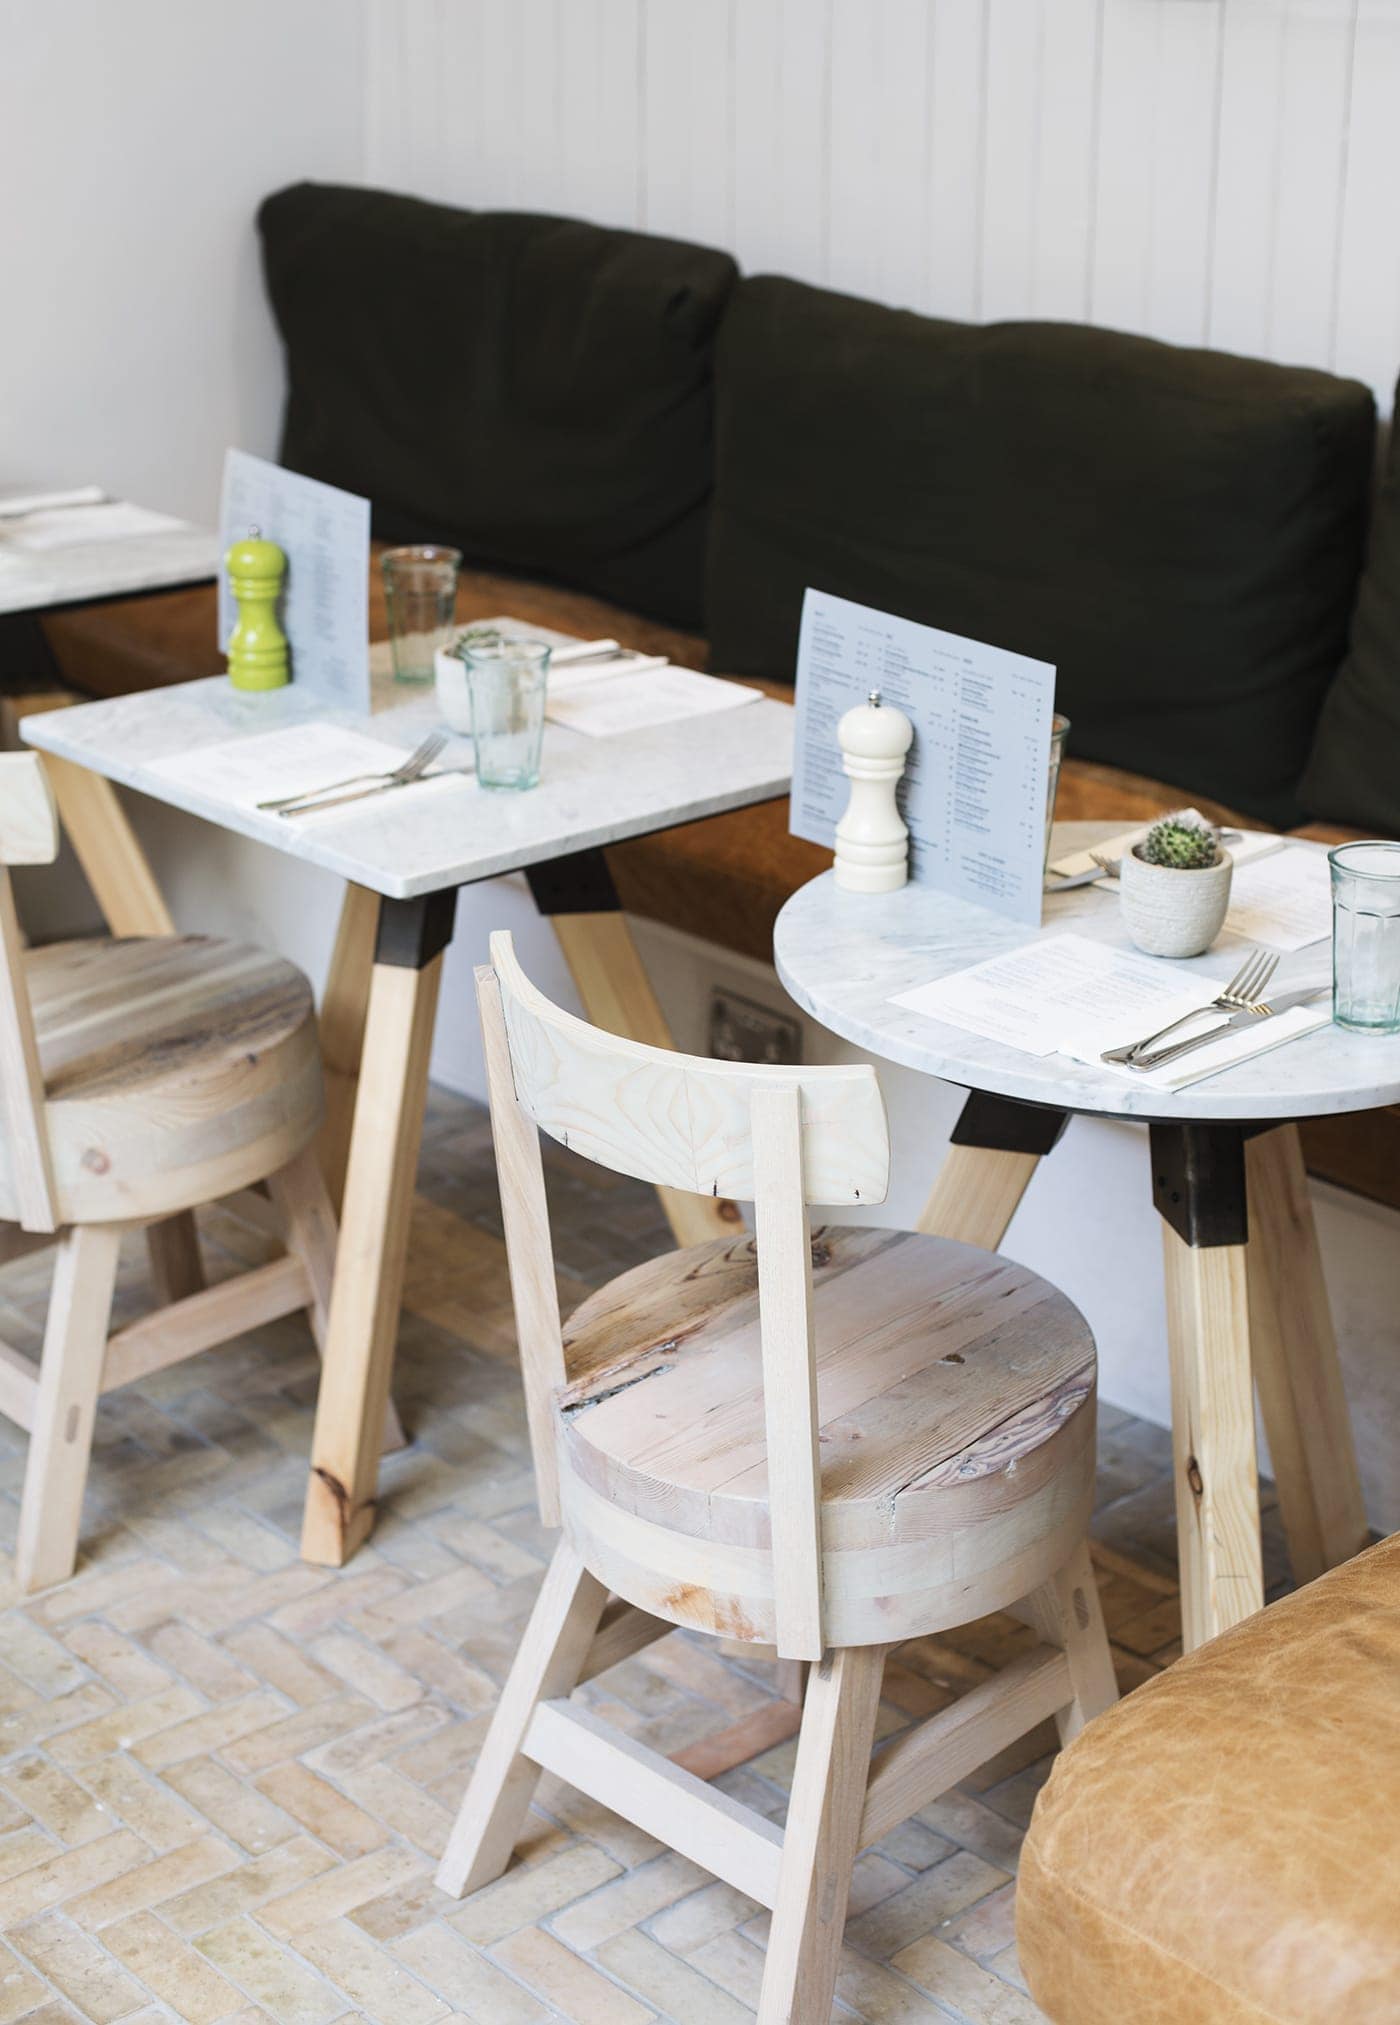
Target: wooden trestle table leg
<point>344,1005</point>
<point>1198,1181</point>
<point>379,1186</point>
<point>577,895</point>
<point>1296,1366</point>
<point>995,1148</point>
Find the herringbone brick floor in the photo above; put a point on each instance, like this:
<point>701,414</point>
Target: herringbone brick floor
<point>225,1776</point>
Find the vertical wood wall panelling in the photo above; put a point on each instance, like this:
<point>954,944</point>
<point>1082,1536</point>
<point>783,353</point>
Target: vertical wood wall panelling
<point>1366,337</point>
<point>1315,105</point>
<point>600,152</point>
<point>688,120</point>
<point>877,231</point>
<point>1207,171</point>
<point>957,70</point>
<point>782,131</point>
<point>1067,149</point>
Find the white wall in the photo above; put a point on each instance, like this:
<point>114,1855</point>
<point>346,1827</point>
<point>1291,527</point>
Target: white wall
<point>137,140</point>
<point>1215,172</point>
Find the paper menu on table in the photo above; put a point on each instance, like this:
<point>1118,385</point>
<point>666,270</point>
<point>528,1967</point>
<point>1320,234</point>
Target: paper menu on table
<point>1046,996</point>
<point>1244,848</point>
<point>325,599</point>
<point>294,759</point>
<point>1283,900</point>
<point>973,793</point>
<point>660,694</point>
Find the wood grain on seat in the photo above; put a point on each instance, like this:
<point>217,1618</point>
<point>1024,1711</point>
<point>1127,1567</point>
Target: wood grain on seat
<point>174,1070</point>
<point>955,1404</point>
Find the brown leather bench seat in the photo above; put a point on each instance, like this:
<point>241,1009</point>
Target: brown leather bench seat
<point>723,879</point>
<point>1224,1845</point>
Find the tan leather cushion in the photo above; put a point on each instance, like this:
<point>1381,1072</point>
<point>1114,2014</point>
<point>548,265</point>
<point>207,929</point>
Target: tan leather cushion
<point>723,879</point>
<point>1224,1845</point>
<point>727,877</point>
<point>145,643</point>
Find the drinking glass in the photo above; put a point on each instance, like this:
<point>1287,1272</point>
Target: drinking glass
<point>1059,732</point>
<point>420,589</point>
<point>1366,937</point>
<point>507,680</point>
<point>453,695</point>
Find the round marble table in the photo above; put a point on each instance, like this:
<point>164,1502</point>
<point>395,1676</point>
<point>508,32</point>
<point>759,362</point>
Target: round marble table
<point>1246,1299</point>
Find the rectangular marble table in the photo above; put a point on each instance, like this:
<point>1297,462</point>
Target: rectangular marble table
<point>43,580</point>
<point>404,856</point>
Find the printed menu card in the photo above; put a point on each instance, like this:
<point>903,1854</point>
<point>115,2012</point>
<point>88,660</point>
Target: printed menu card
<point>325,601</point>
<point>974,790</point>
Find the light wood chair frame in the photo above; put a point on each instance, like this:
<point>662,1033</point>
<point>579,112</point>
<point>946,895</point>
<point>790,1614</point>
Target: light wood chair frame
<point>81,1359</point>
<point>782,1139</point>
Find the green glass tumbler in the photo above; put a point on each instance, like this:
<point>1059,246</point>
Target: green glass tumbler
<point>1366,937</point>
<point>507,680</point>
<point>420,590</point>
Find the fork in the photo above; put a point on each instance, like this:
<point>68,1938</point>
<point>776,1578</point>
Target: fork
<point>1241,994</point>
<point>417,763</point>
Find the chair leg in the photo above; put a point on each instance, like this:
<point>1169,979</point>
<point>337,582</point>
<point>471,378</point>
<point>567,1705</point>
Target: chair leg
<point>822,1836</point>
<point>1066,1612</point>
<point>70,1378</point>
<point>302,1199</point>
<point>547,1664</point>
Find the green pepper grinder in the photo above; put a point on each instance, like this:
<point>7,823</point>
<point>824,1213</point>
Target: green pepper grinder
<point>257,650</point>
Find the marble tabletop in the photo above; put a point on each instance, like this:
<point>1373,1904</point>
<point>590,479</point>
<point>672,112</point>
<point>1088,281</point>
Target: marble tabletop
<point>43,579</point>
<point>593,791</point>
<point>845,956</point>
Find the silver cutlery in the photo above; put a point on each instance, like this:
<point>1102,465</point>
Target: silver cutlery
<point>1239,995</point>
<point>1090,878</point>
<point>412,768</point>
<point>1245,1016</point>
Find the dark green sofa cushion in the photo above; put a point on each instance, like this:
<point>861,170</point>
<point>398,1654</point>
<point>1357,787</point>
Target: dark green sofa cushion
<point>1179,531</point>
<point>1353,774</point>
<point>535,390</point>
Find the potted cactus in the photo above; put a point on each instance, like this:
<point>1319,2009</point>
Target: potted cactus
<point>1176,887</point>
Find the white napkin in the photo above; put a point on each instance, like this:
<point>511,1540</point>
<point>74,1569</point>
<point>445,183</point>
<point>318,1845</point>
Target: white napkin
<point>1243,1045</point>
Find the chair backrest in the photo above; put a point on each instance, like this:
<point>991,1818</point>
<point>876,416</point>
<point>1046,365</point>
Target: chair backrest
<point>780,1138</point>
<point>28,836</point>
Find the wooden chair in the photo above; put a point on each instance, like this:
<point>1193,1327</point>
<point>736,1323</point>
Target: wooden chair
<point>829,1441</point>
<point>138,1079</point>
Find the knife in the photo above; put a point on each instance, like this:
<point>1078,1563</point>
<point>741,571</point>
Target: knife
<point>1285,1002</point>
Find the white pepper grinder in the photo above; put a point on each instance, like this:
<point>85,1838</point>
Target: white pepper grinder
<point>872,843</point>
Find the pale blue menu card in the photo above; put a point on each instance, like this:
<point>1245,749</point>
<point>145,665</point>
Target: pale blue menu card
<point>973,793</point>
<point>325,602</point>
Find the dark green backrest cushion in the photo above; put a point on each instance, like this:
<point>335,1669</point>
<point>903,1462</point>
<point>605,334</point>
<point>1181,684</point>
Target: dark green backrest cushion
<point>1179,531</point>
<point>1353,774</point>
<point>536,391</point>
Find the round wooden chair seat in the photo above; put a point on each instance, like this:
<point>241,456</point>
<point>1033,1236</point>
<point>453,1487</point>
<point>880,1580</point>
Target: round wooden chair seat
<point>956,1405</point>
<point>175,1069</point>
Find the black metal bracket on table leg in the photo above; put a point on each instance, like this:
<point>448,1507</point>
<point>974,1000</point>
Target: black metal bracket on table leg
<point>578,883</point>
<point>1002,1125</point>
<point>1198,1181</point>
<point>412,932</point>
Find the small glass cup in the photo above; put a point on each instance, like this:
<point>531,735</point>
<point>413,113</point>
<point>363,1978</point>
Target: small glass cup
<point>420,589</point>
<point>1059,732</point>
<point>1366,937</point>
<point>507,680</point>
<point>450,662</point>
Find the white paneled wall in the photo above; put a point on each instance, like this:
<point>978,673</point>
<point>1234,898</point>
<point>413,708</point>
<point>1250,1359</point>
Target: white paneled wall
<point>1217,172</point>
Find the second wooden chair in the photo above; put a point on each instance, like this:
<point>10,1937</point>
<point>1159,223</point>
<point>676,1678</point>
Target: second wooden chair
<point>138,1079</point>
<point>829,1441</point>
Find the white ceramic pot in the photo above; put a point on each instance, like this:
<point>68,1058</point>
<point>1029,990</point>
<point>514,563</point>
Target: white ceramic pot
<point>1171,912</point>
